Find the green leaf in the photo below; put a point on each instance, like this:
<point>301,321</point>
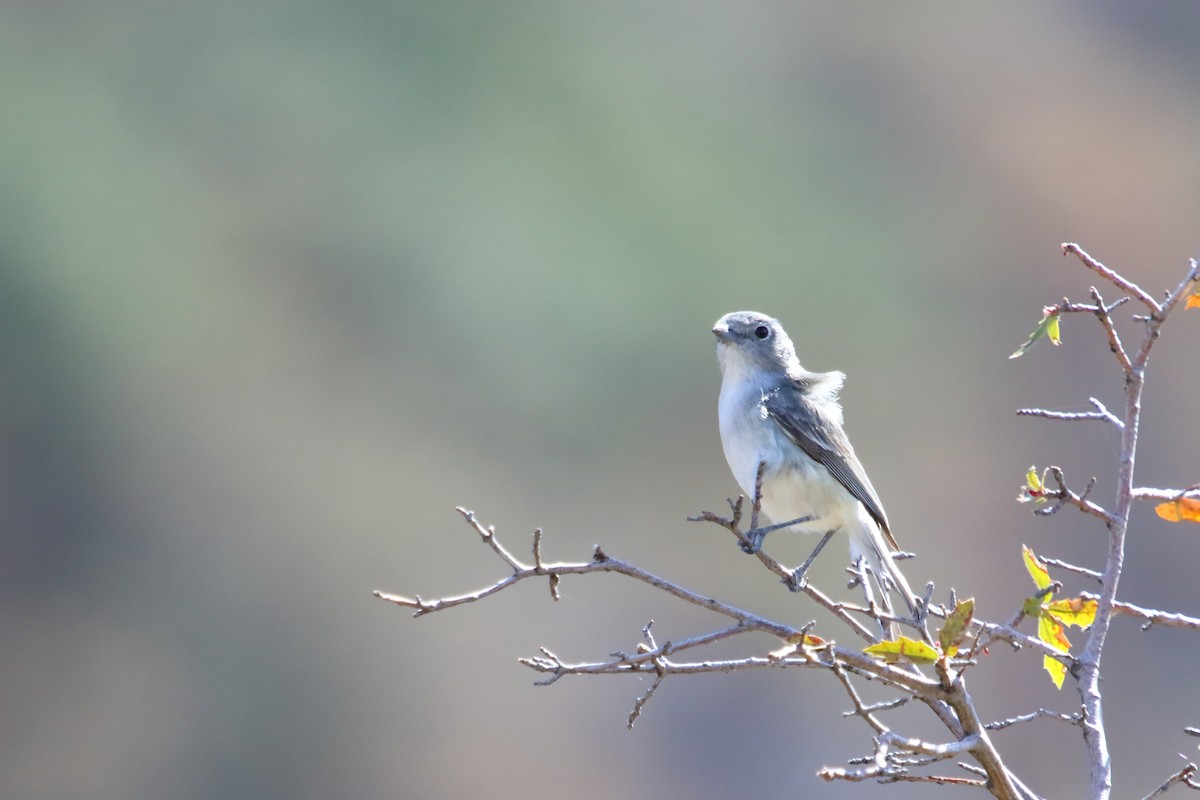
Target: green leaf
<point>1053,331</point>
<point>954,630</point>
<point>1047,328</point>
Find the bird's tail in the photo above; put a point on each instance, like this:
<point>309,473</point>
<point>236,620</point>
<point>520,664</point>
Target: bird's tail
<point>869,545</point>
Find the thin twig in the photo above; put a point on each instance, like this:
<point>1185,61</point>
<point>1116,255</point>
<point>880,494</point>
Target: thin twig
<point>1104,314</point>
<point>641,701</point>
<point>1101,413</point>
<point>1129,287</point>
<point>939,780</point>
<point>1189,285</point>
<point>1151,616</point>
<point>489,536</point>
<point>880,764</point>
<point>859,709</point>
<point>1064,415</point>
<point>1067,497</point>
<point>1184,776</point>
<point>1164,494</point>
<point>1054,562</point>
<point>756,508</point>
<point>1000,725</point>
<point>655,660</point>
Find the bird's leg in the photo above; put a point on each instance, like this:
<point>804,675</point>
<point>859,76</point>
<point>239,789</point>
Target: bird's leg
<point>798,574</point>
<point>755,536</point>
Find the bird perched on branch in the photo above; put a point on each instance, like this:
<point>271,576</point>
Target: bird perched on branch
<point>774,412</point>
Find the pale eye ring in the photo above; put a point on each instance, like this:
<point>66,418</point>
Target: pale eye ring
<point>762,332</point>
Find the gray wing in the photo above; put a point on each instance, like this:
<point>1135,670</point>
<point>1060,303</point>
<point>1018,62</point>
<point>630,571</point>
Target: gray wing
<point>804,422</point>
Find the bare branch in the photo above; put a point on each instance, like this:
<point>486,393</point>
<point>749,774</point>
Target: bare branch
<point>1104,314</point>
<point>600,563</point>
<point>939,780</point>
<point>1067,497</point>
<point>1151,616</point>
<point>641,701</point>
<point>1189,285</point>
<point>1007,633</point>
<point>1165,494</point>
<point>756,508</point>
<point>1000,725</point>
<point>1089,573</point>
<point>1127,286</point>
<point>1068,415</point>
<point>859,709</point>
<point>489,536</point>
<point>1108,415</point>
<point>882,763</point>
<point>658,662</point>
<point>1184,776</point>
<point>1087,665</point>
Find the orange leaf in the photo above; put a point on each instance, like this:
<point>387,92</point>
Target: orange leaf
<point>1183,509</point>
<point>1193,301</point>
<point>797,642</point>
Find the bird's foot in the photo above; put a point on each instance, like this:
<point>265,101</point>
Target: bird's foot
<point>798,579</point>
<point>755,536</point>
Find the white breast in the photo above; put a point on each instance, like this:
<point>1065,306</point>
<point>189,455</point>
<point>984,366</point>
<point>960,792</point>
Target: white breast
<point>794,485</point>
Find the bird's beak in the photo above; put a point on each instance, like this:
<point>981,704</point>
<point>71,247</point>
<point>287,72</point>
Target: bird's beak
<point>722,332</point>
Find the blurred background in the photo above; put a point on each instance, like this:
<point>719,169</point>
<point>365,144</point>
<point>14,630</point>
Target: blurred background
<point>283,283</point>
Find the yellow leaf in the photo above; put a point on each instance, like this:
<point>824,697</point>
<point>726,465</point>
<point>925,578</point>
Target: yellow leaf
<point>1057,670</point>
<point>1051,632</point>
<point>1032,480</point>
<point>903,649</point>
<point>1053,333</point>
<point>1037,570</point>
<point>1193,301</point>
<point>1034,488</point>
<point>1077,611</point>
<point>1180,510</point>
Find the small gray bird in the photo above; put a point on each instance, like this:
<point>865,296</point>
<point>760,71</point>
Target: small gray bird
<point>772,410</point>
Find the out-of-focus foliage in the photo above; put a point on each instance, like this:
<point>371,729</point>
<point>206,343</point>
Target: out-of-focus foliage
<point>282,283</point>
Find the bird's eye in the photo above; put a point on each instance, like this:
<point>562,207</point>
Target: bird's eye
<point>762,332</point>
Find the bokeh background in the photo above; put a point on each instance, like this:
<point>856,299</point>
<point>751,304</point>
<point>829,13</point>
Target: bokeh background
<point>283,283</point>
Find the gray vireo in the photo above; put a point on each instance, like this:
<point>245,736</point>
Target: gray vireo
<point>772,410</point>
